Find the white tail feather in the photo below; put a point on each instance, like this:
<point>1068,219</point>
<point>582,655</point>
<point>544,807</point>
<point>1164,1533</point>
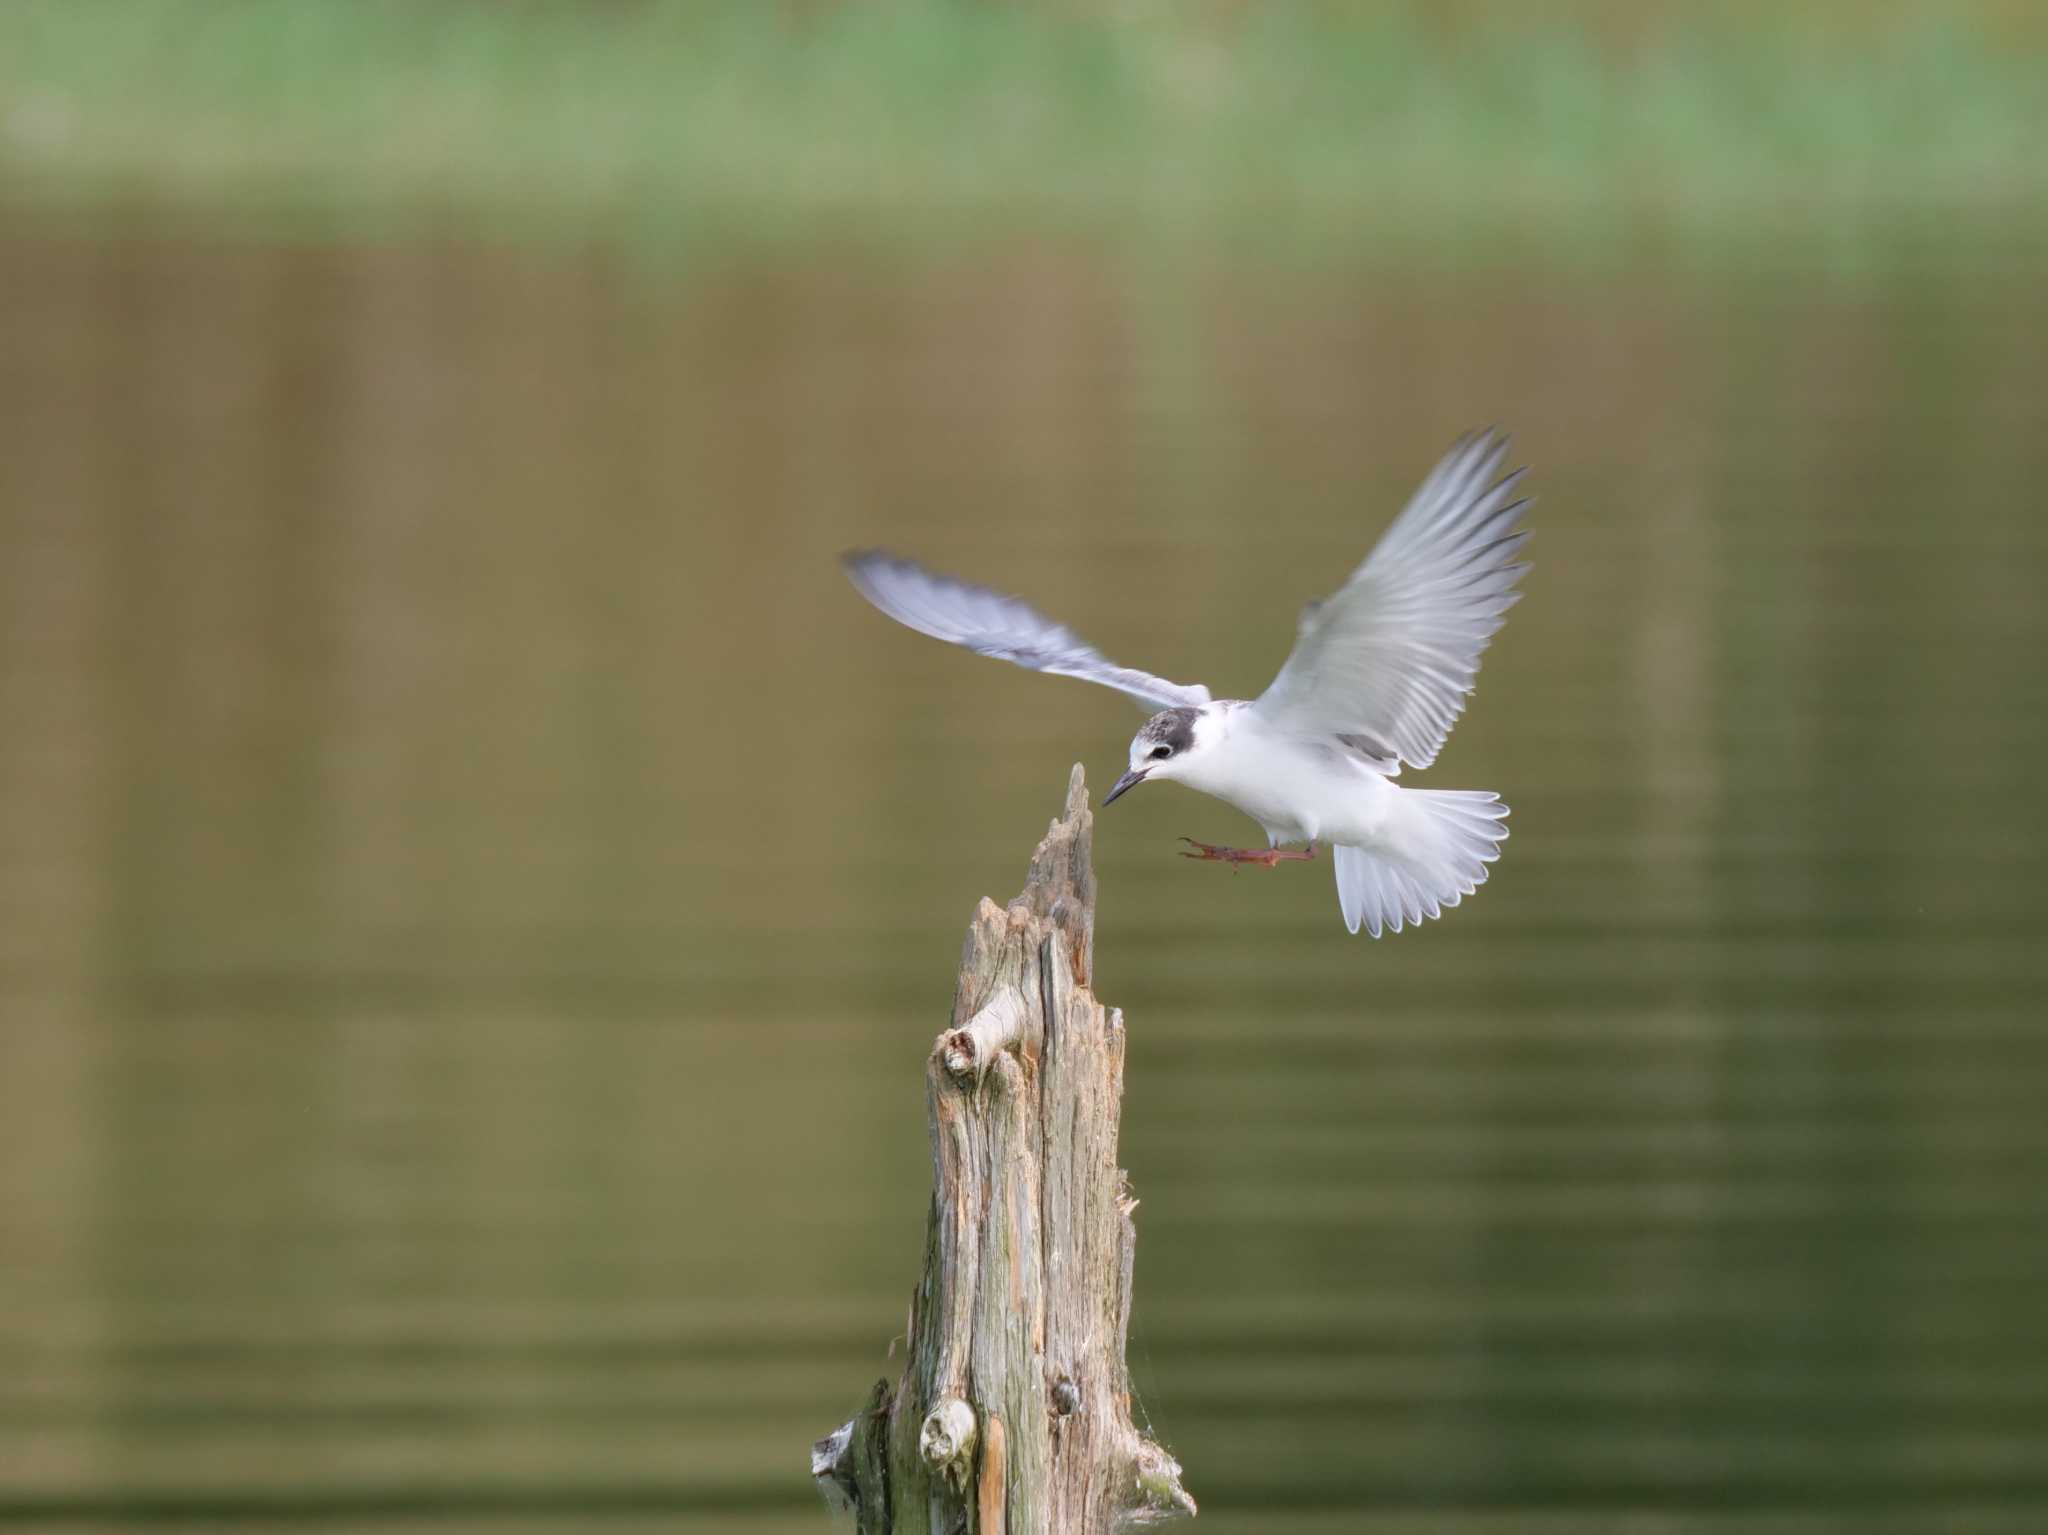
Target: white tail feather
<point>1437,847</point>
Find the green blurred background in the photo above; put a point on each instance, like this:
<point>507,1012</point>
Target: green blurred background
<point>476,887</point>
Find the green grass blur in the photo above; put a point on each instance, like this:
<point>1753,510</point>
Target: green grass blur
<point>1139,118</point>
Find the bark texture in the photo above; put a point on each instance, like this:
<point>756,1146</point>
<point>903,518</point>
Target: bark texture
<point>1013,1413</point>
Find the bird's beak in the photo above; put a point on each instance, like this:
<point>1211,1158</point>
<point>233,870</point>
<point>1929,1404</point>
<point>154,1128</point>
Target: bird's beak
<point>1130,780</point>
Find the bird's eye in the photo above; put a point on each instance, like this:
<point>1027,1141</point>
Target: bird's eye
<point>1161,751</point>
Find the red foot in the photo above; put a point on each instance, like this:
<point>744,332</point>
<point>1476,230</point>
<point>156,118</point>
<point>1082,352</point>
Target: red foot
<point>1265,857</point>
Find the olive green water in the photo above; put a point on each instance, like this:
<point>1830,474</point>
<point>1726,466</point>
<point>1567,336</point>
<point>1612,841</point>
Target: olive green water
<point>476,887</point>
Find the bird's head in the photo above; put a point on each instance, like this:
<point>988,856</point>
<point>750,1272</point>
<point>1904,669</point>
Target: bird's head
<point>1160,749</point>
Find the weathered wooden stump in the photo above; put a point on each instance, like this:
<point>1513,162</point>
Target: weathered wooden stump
<point>1014,1409</point>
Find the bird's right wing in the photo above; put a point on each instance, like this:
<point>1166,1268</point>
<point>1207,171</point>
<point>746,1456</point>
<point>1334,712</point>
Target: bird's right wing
<point>1386,662</point>
<point>1007,628</point>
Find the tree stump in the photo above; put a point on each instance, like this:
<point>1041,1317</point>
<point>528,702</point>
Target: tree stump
<point>1013,1413</point>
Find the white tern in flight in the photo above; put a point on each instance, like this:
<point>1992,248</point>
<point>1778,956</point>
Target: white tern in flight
<point>1379,674</point>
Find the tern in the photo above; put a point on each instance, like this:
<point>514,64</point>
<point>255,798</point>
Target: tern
<point>1379,673</point>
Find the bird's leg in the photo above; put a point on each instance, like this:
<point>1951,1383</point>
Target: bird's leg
<point>1266,858</point>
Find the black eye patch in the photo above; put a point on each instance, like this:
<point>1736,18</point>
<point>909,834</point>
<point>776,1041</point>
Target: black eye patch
<point>1161,751</point>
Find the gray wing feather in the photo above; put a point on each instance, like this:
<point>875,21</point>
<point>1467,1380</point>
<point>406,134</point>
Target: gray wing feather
<point>1390,658</point>
<point>989,623</point>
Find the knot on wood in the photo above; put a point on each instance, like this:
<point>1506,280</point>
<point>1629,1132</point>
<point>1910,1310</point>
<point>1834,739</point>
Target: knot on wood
<point>1160,1494</point>
<point>946,1441</point>
<point>832,1469</point>
<point>967,1051</point>
<point>961,1055</point>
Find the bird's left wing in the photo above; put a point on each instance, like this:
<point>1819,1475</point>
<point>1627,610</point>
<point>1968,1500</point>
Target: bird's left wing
<point>1007,628</point>
<point>1386,662</point>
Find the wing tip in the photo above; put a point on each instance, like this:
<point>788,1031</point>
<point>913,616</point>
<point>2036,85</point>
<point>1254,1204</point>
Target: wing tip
<point>865,557</point>
<point>1481,441</point>
<point>869,570</point>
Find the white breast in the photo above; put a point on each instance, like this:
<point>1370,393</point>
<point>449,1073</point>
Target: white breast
<point>1298,791</point>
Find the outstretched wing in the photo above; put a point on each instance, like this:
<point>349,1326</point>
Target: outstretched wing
<point>1008,628</point>
<point>1387,661</point>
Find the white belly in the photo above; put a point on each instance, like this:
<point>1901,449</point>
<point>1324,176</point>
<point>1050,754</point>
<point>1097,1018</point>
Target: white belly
<point>1298,792</point>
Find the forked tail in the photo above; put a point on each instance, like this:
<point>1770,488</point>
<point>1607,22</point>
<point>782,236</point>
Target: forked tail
<point>1437,847</point>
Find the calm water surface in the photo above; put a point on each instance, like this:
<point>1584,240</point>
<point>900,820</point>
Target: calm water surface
<point>478,887</point>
